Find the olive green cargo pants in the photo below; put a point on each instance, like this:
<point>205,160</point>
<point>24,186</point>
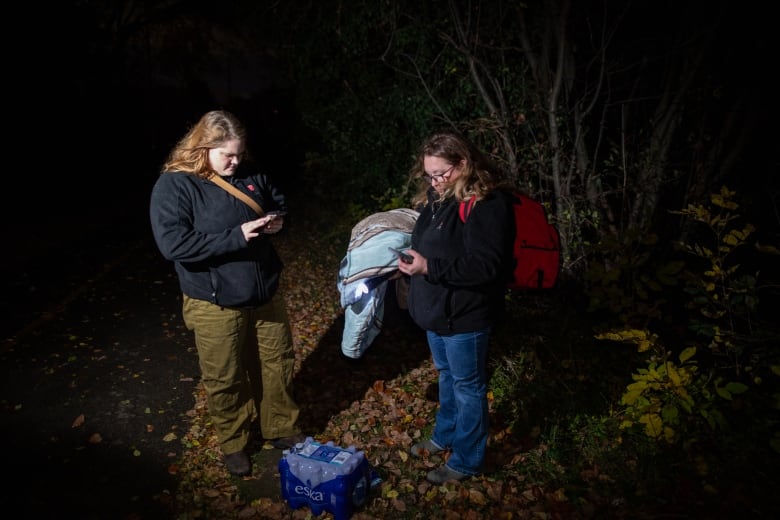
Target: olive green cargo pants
<point>246,357</point>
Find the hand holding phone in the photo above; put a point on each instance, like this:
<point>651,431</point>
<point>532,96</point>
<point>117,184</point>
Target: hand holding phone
<point>405,258</point>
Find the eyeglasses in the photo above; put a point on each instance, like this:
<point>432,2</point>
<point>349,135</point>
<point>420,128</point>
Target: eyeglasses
<point>438,177</point>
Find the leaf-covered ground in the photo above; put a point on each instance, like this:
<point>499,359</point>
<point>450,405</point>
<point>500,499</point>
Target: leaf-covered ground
<point>102,416</point>
<point>382,404</point>
<point>386,401</point>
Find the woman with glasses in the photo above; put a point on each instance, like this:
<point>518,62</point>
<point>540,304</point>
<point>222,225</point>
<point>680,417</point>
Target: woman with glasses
<point>458,275</point>
<point>229,275</point>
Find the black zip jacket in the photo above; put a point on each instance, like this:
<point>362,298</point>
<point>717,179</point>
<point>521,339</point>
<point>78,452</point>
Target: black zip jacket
<point>197,225</point>
<point>469,264</point>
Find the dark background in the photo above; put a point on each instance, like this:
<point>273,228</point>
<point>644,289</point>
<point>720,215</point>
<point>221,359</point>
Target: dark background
<point>90,117</point>
<point>87,128</point>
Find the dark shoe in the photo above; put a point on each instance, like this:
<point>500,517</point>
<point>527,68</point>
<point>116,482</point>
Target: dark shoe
<point>444,473</point>
<point>423,447</point>
<point>285,443</point>
<point>238,464</point>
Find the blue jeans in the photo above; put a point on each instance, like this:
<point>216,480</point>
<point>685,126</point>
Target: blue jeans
<point>462,419</point>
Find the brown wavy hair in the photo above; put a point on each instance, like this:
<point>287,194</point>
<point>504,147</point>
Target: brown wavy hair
<point>479,176</point>
<point>191,153</point>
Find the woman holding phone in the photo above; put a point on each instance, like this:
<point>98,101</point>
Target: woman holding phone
<point>456,294</point>
<point>229,274</point>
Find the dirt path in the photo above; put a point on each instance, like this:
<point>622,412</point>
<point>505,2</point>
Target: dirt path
<point>100,397</point>
<point>98,377</point>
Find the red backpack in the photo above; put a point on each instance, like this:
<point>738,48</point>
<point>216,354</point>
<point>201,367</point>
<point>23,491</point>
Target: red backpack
<point>537,246</point>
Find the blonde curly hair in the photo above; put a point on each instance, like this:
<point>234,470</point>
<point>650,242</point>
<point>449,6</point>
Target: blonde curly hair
<point>478,175</point>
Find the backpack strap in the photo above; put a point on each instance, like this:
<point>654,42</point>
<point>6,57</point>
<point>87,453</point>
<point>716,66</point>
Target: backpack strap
<point>240,195</point>
<point>464,208</point>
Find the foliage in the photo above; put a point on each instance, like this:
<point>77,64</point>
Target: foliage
<point>629,279</point>
<point>388,83</point>
<point>722,296</point>
<point>366,121</point>
<point>396,70</point>
<point>619,120</point>
<point>666,398</point>
<point>665,395</point>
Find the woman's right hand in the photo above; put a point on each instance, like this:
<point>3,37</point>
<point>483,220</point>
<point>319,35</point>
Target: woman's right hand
<point>419,264</point>
<point>253,228</point>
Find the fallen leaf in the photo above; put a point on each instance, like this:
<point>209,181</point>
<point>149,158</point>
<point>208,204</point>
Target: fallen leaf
<point>95,438</point>
<point>477,497</point>
<point>79,421</point>
<point>399,505</point>
<point>169,437</point>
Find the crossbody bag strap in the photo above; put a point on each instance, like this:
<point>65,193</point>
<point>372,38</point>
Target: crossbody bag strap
<point>222,183</point>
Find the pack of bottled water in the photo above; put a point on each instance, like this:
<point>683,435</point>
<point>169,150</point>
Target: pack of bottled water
<point>326,477</point>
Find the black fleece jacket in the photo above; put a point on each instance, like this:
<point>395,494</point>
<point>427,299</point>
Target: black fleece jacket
<point>469,264</point>
<point>197,225</point>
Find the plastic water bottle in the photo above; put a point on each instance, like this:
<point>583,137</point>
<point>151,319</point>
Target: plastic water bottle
<point>326,477</point>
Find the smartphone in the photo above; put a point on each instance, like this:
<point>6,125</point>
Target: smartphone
<point>405,258</point>
<point>277,213</point>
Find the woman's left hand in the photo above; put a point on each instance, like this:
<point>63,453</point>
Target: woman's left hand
<point>274,226</point>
